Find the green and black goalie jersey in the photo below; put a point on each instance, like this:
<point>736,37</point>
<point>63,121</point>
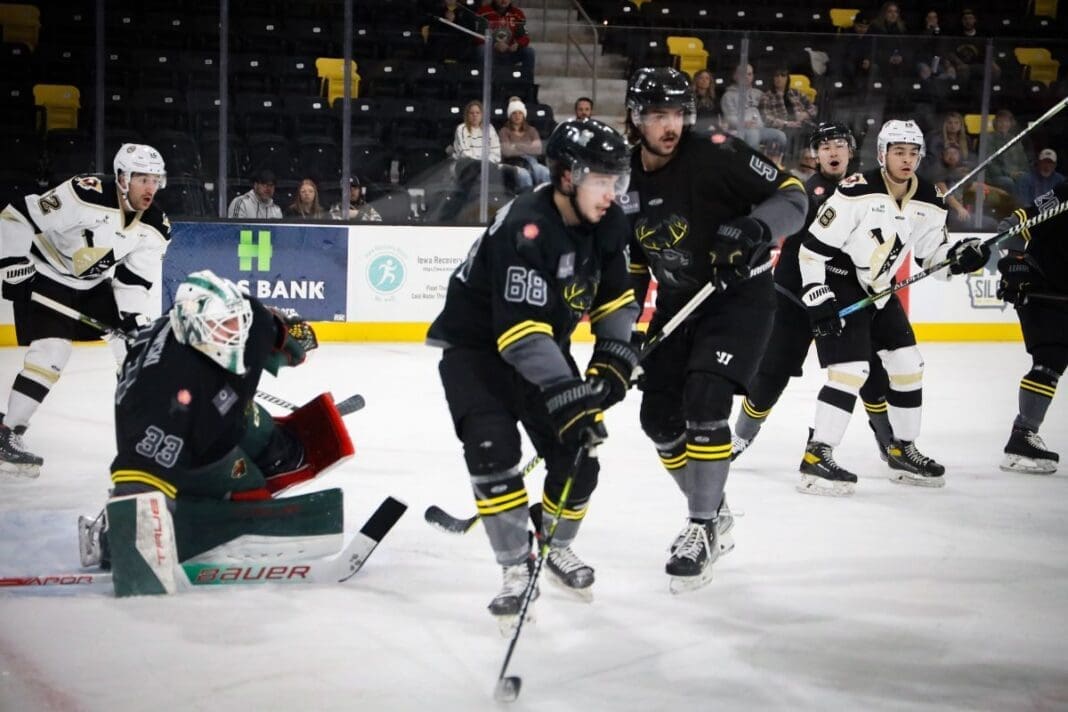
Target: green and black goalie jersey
<point>528,281</point>
<point>676,209</point>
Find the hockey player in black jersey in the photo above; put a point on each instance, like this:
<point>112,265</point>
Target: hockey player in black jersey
<point>550,257</point>
<point>186,424</point>
<point>1034,277</point>
<point>703,209</point>
<point>791,336</point>
<point>92,245</point>
<point>873,221</point>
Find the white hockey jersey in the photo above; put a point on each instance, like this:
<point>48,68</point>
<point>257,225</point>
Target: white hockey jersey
<point>866,223</point>
<point>82,237</point>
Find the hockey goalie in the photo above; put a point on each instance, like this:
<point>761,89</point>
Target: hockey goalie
<point>199,461</point>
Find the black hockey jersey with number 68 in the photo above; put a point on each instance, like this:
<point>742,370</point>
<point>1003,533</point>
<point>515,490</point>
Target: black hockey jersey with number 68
<point>176,409</point>
<point>530,274</point>
<point>675,210</point>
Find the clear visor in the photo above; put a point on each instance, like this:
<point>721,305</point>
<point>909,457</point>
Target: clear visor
<point>599,182</point>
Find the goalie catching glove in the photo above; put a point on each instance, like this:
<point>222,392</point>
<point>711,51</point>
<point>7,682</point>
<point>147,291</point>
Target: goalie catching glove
<point>613,364</point>
<point>575,409</point>
<point>822,309</point>
<point>295,339</point>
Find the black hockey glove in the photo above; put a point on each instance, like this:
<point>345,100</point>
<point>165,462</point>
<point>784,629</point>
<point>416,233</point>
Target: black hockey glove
<point>1018,277</point>
<point>130,324</point>
<point>613,364</point>
<point>17,274</point>
<point>575,409</point>
<point>735,247</point>
<point>968,255</point>
<point>822,310</point>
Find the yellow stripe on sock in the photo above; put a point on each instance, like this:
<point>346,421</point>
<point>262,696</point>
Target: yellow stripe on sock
<point>752,412</point>
<point>1040,388</point>
<point>880,407</point>
<point>496,505</point>
<point>142,477</point>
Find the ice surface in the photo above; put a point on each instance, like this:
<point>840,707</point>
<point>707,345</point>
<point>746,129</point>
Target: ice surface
<point>899,598</point>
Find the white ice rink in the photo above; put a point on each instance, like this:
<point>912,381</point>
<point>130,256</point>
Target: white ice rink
<point>899,598</point>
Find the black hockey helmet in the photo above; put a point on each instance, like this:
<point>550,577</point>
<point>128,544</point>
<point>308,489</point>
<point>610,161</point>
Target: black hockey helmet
<point>584,146</point>
<point>652,87</point>
<point>828,130</point>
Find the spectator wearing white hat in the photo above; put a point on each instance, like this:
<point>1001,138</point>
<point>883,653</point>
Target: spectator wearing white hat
<point>1041,179</point>
<point>521,144</point>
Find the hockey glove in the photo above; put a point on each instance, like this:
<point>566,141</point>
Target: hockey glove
<point>295,338</point>
<point>735,247</point>
<point>17,274</point>
<point>575,409</point>
<point>613,364</point>
<point>1018,277</point>
<point>968,255</point>
<point>822,310</point>
<point>130,324</point>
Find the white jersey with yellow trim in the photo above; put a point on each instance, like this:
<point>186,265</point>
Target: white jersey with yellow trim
<point>863,221</point>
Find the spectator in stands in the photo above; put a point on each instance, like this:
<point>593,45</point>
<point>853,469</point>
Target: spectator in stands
<point>807,164</point>
<point>258,203</point>
<point>359,209</point>
<point>1005,170</point>
<point>521,144</point>
<point>511,43</point>
<point>946,170</point>
<point>306,203</point>
<point>467,151</point>
<point>447,44</point>
<point>932,59</point>
<point>749,126</point>
<point>853,56</point>
<point>893,57</point>
<point>1041,179</point>
<point>583,107</point>
<point>950,131</point>
<point>968,52</point>
<point>787,109</point>
<point>706,101</point>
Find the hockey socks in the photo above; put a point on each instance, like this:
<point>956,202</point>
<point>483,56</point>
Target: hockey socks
<point>1037,389</point>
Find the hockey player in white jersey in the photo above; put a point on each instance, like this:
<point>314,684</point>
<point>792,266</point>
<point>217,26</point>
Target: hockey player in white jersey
<point>89,246</point>
<point>875,219</point>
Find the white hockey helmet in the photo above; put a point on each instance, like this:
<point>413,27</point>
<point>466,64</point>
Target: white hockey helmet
<point>898,131</point>
<point>140,158</point>
<point>213,316</point>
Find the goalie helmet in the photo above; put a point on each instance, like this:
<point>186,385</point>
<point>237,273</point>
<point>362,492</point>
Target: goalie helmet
<point>140,158</point>
<point>897,131</point>
<point>660,87</point>
<point>586,146</point>
<point>213,316</point>
<point>829,131</point>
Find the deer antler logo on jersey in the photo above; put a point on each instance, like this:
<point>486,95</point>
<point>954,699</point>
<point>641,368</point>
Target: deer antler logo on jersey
<point>663,235</point>
<point>578,296</point>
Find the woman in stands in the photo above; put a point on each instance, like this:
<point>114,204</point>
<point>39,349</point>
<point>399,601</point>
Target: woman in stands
<point>306,204</point>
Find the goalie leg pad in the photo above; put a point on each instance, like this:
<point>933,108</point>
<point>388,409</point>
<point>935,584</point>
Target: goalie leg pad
<point>203,525</point>
<point>144,558</point>
<point>322,432</point>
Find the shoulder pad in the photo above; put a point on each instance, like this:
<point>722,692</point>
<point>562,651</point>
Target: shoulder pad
<point>155,217</point>
<point>928,192</point>
<point>95,190</point>
<point>860,184</point>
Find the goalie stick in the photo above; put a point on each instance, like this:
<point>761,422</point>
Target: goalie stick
<point>337,569</point>
<point>438,518</point>
<point>990,242</point>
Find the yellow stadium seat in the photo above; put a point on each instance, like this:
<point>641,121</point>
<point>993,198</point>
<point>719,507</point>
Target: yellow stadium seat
<point>1040,65</point>
<point>801,83</point>
<point>61,103</point>
<point>22,23</point>
<point>693,57</point>
<point>1046,8</point>
<point>331,73</point>
<point>972,121</point>
<point>842,17</point>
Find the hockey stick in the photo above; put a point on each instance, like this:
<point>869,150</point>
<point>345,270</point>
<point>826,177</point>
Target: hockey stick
<point>1033,125</point>
<point>507,688</point>
<point>349,405</point>
<point>1046,296</point>
<point>336,569</point>
<point>990,242</point>
<point>437,517</point>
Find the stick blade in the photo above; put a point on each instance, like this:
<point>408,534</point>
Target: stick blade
<point>351,404</point>
<point>438,518</point>
<point>507,689</point>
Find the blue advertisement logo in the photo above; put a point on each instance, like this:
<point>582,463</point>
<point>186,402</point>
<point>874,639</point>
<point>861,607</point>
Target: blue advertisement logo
<point>386,273</point>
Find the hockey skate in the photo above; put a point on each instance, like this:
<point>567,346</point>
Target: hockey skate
<point>820,474</point>
<point>570,573</point>
<point>912,467</point>
<point>506,604</point>
<point>692,555</point>
<point>879,444</point>
<point>738,446</point>
<point>91,543</point>
<point>1026,452</point>
<point>15,459</point>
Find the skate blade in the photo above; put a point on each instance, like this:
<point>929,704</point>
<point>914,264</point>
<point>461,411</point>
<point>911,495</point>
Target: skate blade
<point>585,595</point>
<point>810,484</point>
<point>686,584</point>
<point>24,472</point>
<point>1027,465</point>
<point>726,543</point>
<point>506,624</point>
<point>908,478</point>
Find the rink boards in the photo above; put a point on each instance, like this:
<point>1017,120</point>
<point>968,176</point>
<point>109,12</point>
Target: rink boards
<point>386,283</point>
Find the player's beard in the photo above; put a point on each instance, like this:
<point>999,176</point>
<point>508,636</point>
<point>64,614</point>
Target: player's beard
<point>656,151</point>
